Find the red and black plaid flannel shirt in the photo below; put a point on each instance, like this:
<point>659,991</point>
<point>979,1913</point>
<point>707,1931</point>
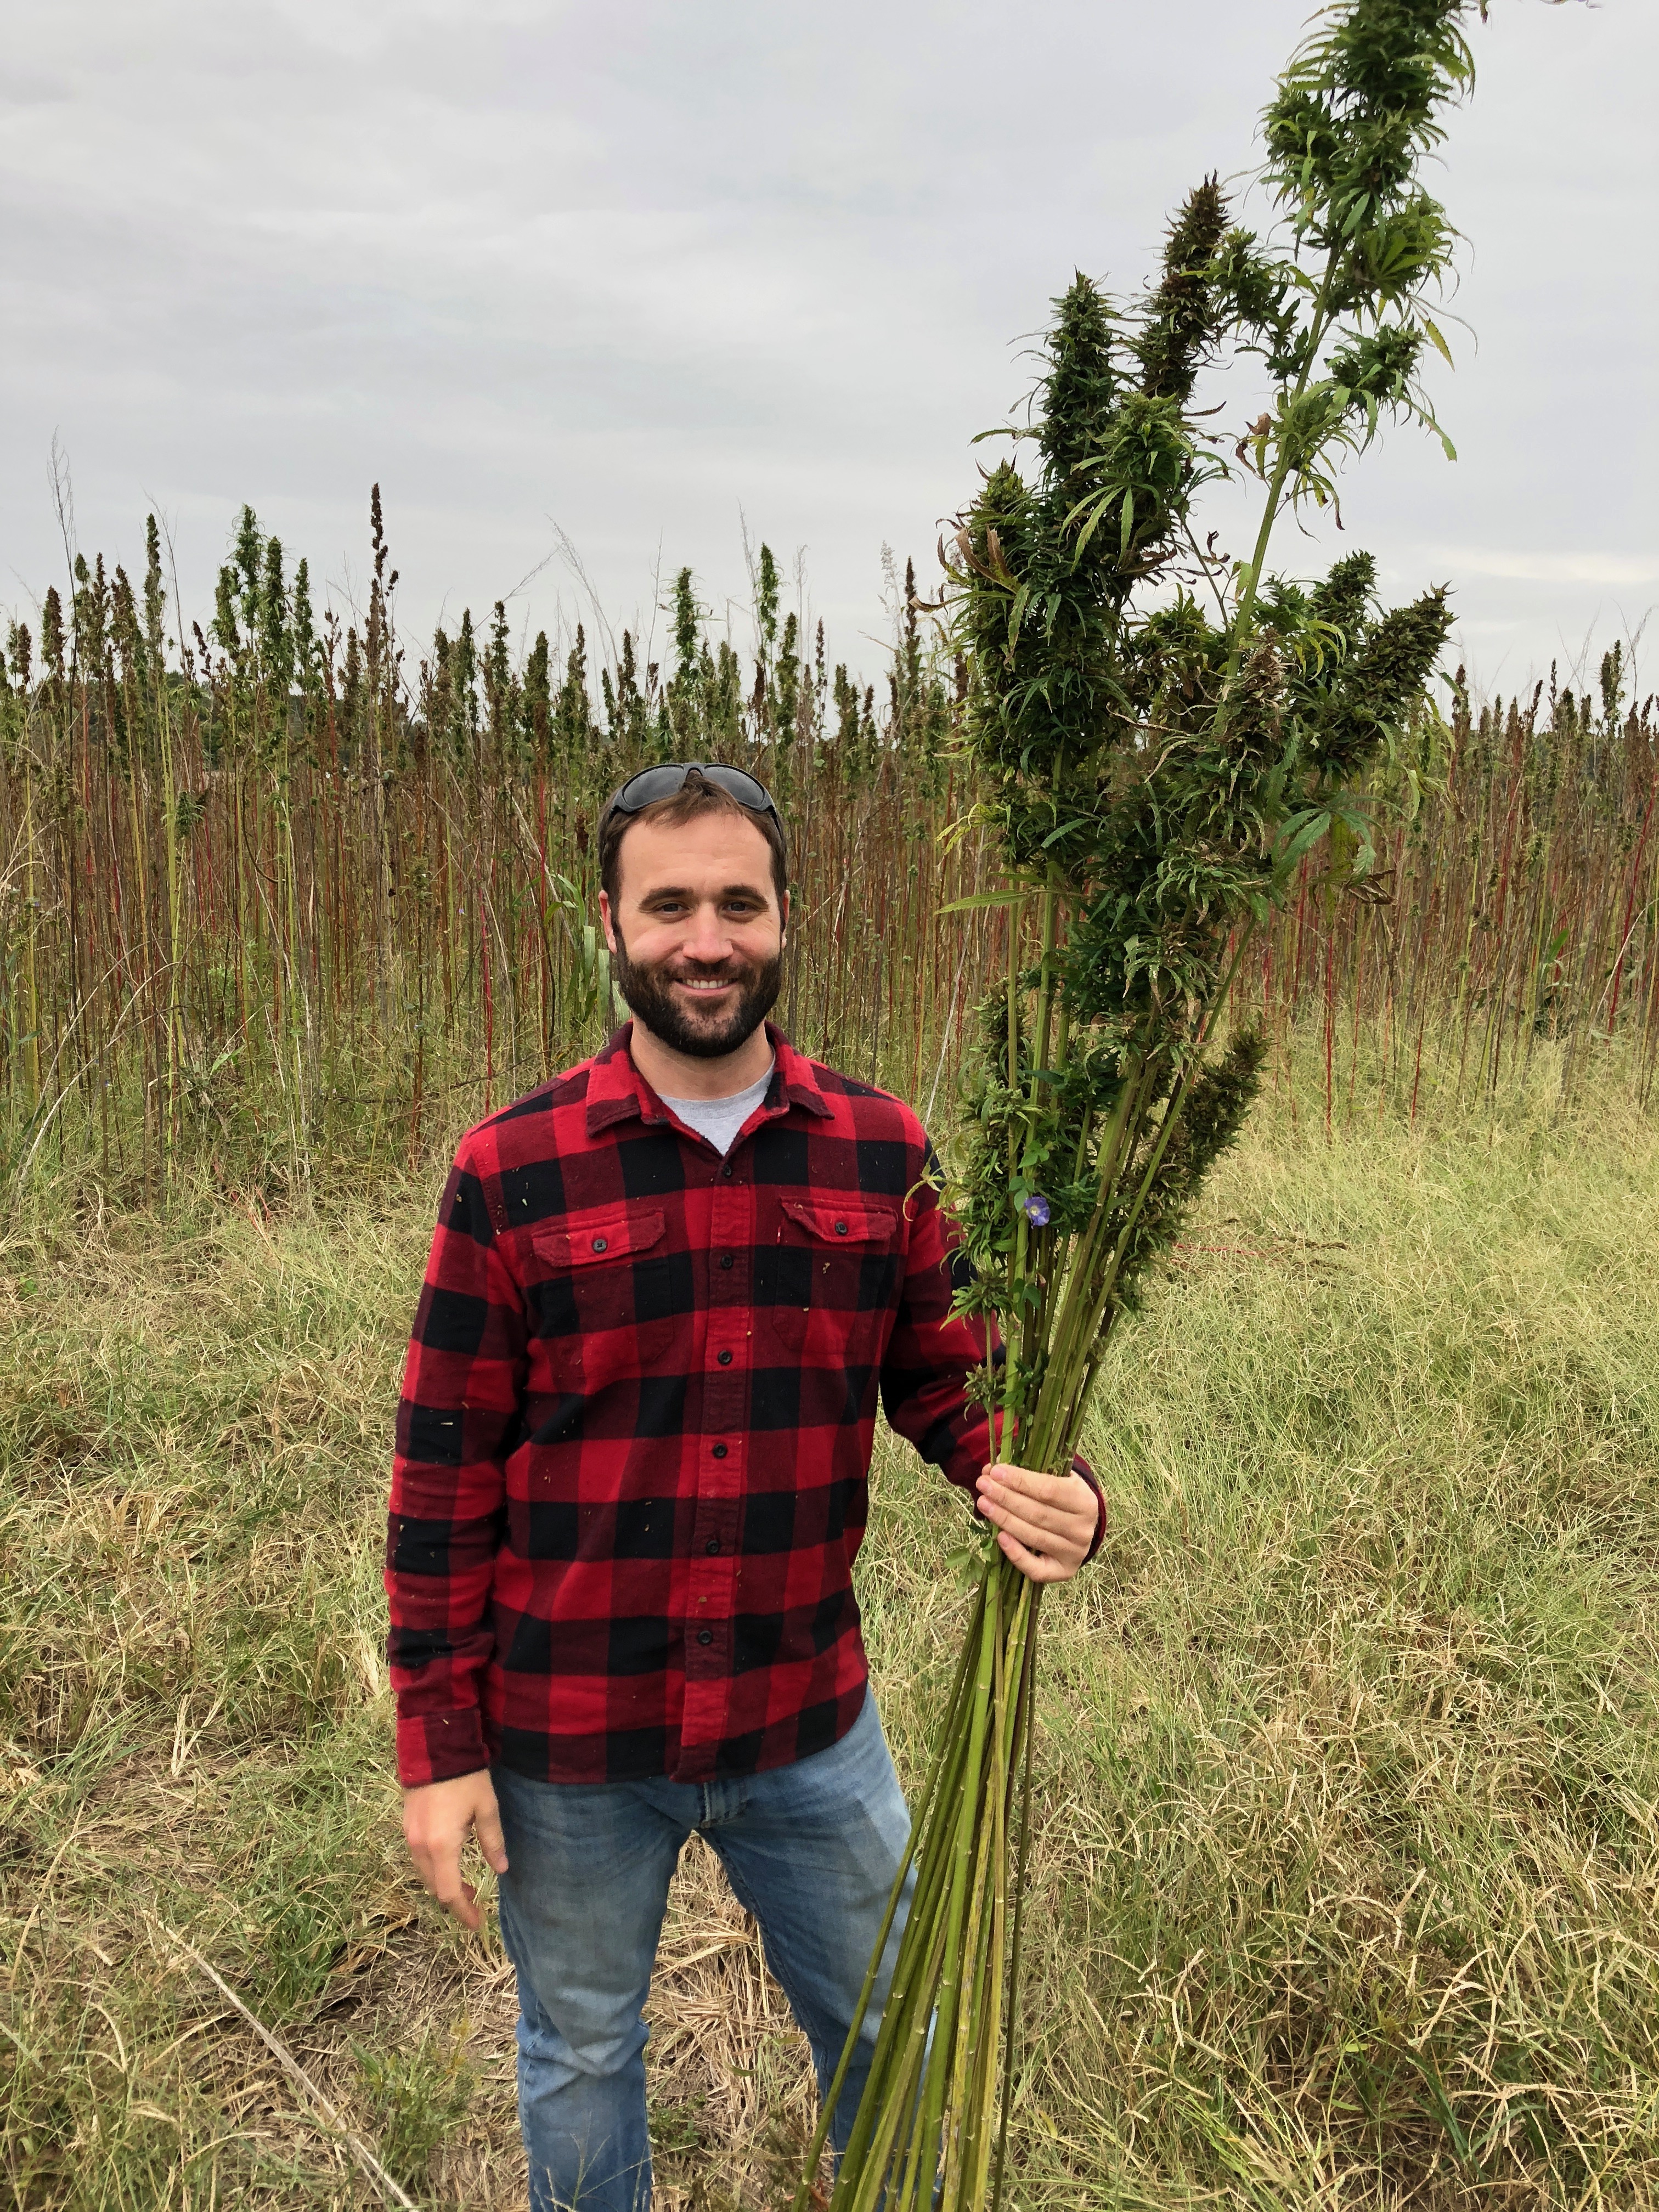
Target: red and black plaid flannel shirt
<point>636,1424</point>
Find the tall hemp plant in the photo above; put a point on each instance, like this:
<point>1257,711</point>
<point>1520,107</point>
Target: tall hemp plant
<point>1159,736</point>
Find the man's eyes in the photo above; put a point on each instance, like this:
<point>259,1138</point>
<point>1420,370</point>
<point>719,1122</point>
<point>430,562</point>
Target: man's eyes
<point>667,909</point>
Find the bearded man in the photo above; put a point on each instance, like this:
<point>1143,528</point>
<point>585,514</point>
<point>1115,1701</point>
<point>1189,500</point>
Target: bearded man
<point>666,1292</point>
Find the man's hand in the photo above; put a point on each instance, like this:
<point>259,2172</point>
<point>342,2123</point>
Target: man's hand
<point>437,1818</point>
<point>1044,1523</point>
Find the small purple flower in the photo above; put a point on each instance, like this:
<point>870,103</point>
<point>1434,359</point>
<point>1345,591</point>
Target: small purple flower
<point>1036,1209</point>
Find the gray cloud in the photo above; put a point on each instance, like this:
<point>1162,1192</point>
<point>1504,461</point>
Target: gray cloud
<point>628,272</point>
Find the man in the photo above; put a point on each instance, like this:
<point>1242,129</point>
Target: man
<point>664,1293</point>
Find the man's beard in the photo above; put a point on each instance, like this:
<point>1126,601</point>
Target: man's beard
<point>649,993</point>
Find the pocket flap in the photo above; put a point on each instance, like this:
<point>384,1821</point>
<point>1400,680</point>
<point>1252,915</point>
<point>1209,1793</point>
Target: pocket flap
<point>836,1223</point>
<point>603,1240</point>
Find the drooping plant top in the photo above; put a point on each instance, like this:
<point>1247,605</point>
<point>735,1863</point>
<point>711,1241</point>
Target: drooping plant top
<point>1159,734</point>
<point>1160,731</point>
<point>1144,710</point>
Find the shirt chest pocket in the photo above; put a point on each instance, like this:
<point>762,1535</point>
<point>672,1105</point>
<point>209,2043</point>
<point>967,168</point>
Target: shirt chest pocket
<point>605,1297</point>
<point>833,1270</point>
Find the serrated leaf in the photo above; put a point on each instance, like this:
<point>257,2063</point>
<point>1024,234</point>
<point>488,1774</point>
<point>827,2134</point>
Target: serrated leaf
<point>967,1562</point>
<point>1312,828</point>
<point>982,899</point>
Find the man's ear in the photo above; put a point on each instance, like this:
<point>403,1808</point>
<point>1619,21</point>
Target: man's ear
<point>783,921</point>
<point>606,923</point>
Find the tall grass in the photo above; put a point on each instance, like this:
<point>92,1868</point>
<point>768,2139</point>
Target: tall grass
<point>275,897</point>
<point>1346,1852</point>
<point>1516,903</point>
<point>290,895</point>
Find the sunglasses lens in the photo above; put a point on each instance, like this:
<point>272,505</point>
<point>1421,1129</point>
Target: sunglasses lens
<point>741,786</point>
<point>651,784</point>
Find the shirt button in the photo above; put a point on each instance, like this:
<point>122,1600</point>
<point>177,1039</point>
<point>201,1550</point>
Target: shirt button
<point>719,1451</point>
<point>726,1359</point>
<point>712,1546</point>
<point>727,1170</point>
<point>840,1229</point>
<point>601,1243</point>
<point>727,1259</point>
<point>705,1636</point>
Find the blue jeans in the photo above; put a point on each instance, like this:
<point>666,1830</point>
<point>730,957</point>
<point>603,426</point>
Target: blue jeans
<point>811,1850</point>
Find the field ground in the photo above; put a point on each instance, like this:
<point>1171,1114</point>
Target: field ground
<point>1345,1886</point>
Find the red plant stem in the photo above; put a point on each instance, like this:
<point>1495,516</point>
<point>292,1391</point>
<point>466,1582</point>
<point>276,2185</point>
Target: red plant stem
<point>489,1005</point>
<point>1630,902</point>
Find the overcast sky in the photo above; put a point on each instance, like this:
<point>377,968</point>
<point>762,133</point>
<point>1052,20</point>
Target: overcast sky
<point>635,272</point>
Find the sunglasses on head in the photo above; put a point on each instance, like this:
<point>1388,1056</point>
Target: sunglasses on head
<point>651,784</point>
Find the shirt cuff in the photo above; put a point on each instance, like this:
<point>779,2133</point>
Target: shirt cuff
<point>1080,1465</point>
<point>437,1747</point>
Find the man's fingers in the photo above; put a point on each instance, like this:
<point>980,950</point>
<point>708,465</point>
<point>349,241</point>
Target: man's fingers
<point>1036,1566</point>
<point>439,1868</point>
<point>462,1901</point>
<point>1036,1525</point>
<point>438,1817</point>
<point>1055,1512</point>
<point>1047,1542</point>
<point>1051,1499</point>
<point>1005,1506</point>
<point>1068,1557</point>
<point>491,1842</point>
<point>1039,1489</point>
<point>1016,1524</point>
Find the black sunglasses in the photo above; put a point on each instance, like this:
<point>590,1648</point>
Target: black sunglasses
<point>651,784</point>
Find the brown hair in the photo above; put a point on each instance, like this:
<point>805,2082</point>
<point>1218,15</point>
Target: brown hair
<point>694,796</point>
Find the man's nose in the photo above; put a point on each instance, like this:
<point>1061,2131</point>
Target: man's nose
<point>708,939</point>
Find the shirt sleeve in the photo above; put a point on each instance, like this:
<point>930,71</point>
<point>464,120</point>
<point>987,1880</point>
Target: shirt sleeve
<point>932,1351</point>
<point>462,1384</point>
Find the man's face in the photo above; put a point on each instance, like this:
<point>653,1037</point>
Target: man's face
<point>697,932</point>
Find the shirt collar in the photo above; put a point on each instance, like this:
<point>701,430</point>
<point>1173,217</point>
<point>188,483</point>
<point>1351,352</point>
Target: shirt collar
<point>617,1091</point>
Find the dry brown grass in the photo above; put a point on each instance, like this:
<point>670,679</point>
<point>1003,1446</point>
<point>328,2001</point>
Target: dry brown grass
<point>1348,1871</point>
<point>730,2076</point>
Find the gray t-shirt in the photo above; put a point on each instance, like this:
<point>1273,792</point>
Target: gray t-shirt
<point>720,1118</point>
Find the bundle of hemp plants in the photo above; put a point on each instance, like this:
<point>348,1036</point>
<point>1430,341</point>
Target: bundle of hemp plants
<point>1160,735</point>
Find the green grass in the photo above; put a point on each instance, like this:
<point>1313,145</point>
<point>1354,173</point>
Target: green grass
<point>1346,1874</point>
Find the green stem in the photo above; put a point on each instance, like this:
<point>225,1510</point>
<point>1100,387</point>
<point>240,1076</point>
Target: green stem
<point>1026,1722</point>
<point>1066,1362</point>
<point>908,2010</point>
<point>1050,912</point>
<point>1032,1317</point>
<point>1317,324</point>
<point>977,1938</point>
<point>941,1756</point>
<point>1016,1275</point>
<point>888,2099</point>
<point>950,1987</point>
<point>1122,1134</point>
